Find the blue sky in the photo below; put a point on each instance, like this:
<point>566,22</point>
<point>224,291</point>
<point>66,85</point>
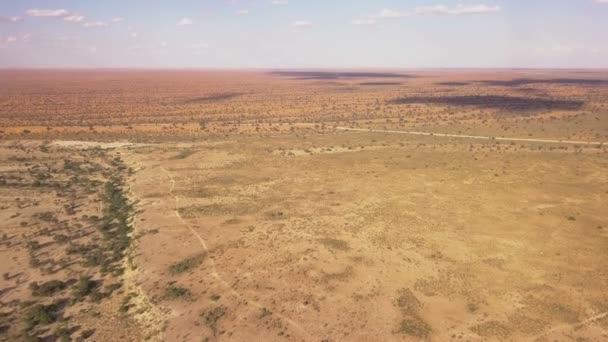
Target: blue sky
<point>303,33</point>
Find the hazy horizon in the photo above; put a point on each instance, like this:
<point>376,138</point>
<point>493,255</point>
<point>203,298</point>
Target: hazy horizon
<point>311,68</point>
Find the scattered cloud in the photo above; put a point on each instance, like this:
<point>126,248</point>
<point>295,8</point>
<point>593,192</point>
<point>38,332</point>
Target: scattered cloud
<point>74,18</point>
<point>91,24</point>
<point>117,19</point>
<point>243,12</point>
<point>388,13</point>
<point>43,12</point>
<point>92,50</point>
<point>64,40</point>
<point>13,39</point>
<point>601,1</point>
<point>280,2</point>
<point>456,10</point>
<point>134,35</point>
<point>185,22</point>
<point>10,19</point>
<point>301,23</point>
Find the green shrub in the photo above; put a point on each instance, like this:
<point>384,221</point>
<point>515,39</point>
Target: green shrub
<point>40,314</point>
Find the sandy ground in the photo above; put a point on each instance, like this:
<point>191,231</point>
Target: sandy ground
<point>405,238</point>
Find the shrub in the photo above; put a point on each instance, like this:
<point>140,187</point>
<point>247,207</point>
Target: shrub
<point>212,316</point>
<point>187,265</point>
<point>48,288</point>
<point>40,314</point>
<point>62,334</point>
<point>84,287</point>
<point>174,292</point>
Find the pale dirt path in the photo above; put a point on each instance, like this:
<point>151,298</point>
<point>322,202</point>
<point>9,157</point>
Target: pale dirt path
<point>578,325</point>
<point>482,137</point>
<point>214,272</point>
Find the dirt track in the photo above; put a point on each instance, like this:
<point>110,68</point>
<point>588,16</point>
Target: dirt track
<point>482,137</point>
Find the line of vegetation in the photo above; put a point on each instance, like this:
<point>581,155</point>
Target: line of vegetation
<point>187,264</point>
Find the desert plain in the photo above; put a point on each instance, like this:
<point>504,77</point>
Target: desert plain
<point>304,205</point>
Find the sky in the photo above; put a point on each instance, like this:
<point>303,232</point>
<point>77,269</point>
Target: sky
<point>303,34</point>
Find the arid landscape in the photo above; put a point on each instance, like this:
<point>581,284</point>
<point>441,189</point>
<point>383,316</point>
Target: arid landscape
<point>304,205</point>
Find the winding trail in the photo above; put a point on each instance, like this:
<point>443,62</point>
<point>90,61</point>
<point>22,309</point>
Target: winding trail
<point>572,325</point>
<point>214,272</point>
<point>480,137</point>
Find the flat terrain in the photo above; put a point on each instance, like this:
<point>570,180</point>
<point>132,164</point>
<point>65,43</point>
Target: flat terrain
<point>189,206</point>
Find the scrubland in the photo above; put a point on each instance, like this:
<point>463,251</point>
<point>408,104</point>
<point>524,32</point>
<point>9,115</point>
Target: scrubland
<point>284,206</point>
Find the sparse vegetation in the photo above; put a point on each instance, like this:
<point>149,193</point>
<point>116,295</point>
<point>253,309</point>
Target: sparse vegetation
<point>414,326</point>
<point>48,288</point>
<point>187,264</point>
<point>204,195</point>
<point>175,292</point>
<point>211,317</point>
<point>84,287</point>
<point>40,314</point>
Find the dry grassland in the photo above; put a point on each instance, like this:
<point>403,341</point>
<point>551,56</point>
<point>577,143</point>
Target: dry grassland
<point>225,206</point>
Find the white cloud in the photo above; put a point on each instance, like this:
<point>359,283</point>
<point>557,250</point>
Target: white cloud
<point>185,22</point>
<point>10,19</point>
<point>301,23</point>
<point>118,19</point>
<point>95,24</point>
<point>280,2</point>
<point>74,18</point>
<point>387,13</point>
<point>13,39</point>
<point>456,10</point>
<point>134,35</point>
<point>601,1</point>
<point>43,12</point>
<point>92,50</point>
<point>242,12</point>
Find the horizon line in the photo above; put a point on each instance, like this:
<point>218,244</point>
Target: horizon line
<point>28,68</point>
